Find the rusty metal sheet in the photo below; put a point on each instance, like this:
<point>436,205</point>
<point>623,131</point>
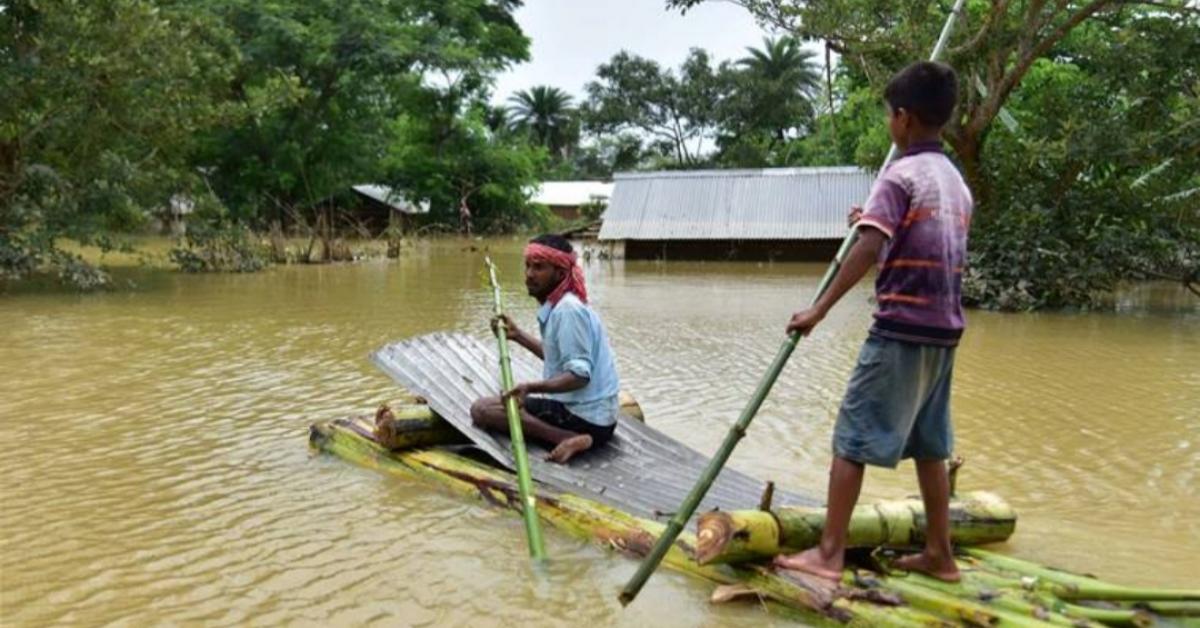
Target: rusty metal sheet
<point>641,470</point>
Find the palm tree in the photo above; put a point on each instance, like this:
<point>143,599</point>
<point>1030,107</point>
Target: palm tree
<point>546,114</point>
<point>783,61</point>
<point>782,78</point>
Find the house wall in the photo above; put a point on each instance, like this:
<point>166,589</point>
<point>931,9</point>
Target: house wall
<point>566,212</point>
<point>737,250</point>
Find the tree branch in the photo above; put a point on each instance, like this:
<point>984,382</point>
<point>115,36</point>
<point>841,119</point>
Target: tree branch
<point>999,7</point>
<point>1029,52</point>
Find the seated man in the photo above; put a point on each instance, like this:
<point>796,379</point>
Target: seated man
<point>577,404</point>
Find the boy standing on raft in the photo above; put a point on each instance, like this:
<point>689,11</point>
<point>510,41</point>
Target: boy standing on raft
<point>580,384</point>
<point>897,404</point>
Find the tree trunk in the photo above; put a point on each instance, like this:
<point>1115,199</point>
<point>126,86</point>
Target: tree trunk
<point>730,537</point>
<point>968,147</point>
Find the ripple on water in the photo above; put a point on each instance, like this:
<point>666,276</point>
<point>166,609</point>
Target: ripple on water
<point>160,473</point>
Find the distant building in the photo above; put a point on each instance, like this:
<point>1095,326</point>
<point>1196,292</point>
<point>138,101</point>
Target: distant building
<point>567,198</point>
<point>380,205</point>
<point>773,213</point>
<point>171,219</point>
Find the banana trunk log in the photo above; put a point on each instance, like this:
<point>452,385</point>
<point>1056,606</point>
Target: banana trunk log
<point>741,535</point>
<point>996,591</point>
<point>583,518</point>
<point>410,424</point>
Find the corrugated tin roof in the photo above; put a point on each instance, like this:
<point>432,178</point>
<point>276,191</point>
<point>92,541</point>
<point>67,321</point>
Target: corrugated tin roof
<point>766,204</point>
<point>390,197</point>
<point>641,470</point>
<point>572,192</point>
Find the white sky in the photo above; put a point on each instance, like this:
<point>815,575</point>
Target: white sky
<point>572,37</point>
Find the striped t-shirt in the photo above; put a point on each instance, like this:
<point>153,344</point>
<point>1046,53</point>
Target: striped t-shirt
<point>924,207</point>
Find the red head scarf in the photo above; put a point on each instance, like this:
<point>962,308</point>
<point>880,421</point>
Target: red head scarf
<point>573,282</point>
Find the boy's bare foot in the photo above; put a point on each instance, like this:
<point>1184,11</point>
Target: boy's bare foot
<point>568,448</point>
<point>811,562</point>
<point>943,569</point>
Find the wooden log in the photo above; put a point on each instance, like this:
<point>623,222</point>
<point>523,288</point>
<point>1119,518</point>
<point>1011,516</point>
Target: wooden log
<point>729,537</point>
<point>409,426</point>
<point>410,423</point>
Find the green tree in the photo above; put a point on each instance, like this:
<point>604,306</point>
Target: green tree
<point>102,102</point>
<point>1101,181</point>
<point>675,112</point>
<point>606,154</point>
<point>545,114</point>
<point>767,104</point>
<point>347,69</point>
<point>455,160</point>
<point>783,79</point>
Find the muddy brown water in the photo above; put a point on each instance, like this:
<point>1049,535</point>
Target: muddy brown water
<point>156,468</point>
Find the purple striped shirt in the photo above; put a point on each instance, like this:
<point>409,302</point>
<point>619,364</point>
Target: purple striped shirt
<point>922,204</point>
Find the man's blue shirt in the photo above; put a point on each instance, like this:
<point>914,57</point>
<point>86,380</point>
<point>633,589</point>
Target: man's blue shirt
<point>573,339</point>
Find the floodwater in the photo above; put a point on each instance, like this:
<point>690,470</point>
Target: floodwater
<point>157,472</point>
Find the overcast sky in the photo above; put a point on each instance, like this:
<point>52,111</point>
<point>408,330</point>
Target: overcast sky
<point>572,37</point>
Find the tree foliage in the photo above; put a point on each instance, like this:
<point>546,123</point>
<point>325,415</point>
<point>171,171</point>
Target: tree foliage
<point>674,111</point>
<point>102,100</point>
<point>772,95</point>
<point>546,115</point>
<point>263,108</point>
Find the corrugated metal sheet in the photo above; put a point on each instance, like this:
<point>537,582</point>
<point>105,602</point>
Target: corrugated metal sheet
<point>768,204</point>
<point>390,197</point>
<point>641,470</point>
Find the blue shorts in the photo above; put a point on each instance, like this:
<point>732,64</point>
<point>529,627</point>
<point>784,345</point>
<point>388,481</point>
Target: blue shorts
<point>897,404</point>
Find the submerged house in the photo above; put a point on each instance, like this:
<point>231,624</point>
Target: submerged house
<point>379,206</point>
<point>568,199</point>
<point>765,214</point>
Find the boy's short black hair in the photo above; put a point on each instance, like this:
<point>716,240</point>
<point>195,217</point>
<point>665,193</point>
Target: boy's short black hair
<point>926,89</point>
<point>554,241</point>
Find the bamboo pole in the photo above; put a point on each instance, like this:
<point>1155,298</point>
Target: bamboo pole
<point>976,518</point>
<point>533,530</point>
<point>738,430</point>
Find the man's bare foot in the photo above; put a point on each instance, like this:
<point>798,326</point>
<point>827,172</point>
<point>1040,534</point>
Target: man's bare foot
<point>943,569</point>
<point>811,562</point>
<point>568,448</point>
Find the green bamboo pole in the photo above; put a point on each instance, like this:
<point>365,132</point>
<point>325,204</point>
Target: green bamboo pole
<point>533,530</point>
<point>738,430</point>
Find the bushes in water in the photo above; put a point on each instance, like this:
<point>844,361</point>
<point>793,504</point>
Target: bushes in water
<point>224,248</point>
